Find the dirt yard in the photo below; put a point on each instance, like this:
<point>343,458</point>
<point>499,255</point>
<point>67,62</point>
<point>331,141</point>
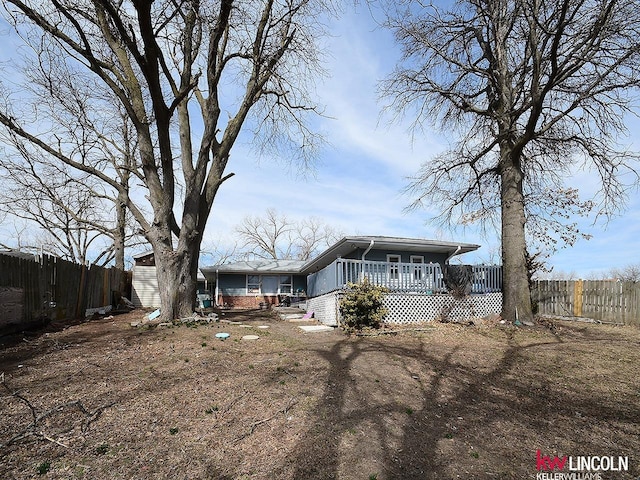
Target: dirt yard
<point>103,400</point>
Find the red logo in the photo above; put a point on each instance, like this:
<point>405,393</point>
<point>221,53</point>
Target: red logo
<point>546,463</point>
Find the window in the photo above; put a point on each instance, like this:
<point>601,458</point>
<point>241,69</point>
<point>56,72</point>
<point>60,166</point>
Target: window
<point>253,283</point>
<point>285,284</point>
<point>269,284</point>
<point>394,267</point>
<point>417,270</point>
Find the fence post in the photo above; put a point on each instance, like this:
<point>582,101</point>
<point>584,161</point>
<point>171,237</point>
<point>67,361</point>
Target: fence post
<point>82,293</point>
<point>577,295</point>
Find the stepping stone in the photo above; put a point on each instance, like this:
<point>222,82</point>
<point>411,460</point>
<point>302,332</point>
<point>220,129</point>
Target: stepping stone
<point>316,328</point>
<point>250,337</point>
<point>300,320</point>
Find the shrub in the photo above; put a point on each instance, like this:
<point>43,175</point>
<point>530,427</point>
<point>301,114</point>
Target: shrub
<point>102,449</point>
<point>362,306</point>
<point>43,468</point>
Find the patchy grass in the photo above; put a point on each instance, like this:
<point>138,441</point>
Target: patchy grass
<point>102,400</point>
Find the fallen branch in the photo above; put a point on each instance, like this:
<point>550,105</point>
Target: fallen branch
<point>34,430</point>
<point>230,405</point>
<point>43,435</point>
<point>289,373</point>
<point>257,423</point>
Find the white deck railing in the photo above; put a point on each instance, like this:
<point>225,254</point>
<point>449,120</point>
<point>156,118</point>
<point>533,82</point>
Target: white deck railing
<point>414,277</point>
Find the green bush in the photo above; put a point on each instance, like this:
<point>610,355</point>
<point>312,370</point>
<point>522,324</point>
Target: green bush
<point>43,468</point>
<point>362,306</point>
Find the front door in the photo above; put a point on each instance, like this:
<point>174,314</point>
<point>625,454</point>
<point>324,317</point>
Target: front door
<point>417,268</point>
<point>393,268</point>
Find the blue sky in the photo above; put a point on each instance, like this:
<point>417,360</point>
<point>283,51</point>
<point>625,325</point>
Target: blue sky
<point>358,180</point>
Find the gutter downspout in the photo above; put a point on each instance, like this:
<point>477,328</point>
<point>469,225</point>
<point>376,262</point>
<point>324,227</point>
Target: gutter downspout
<point>364,254</point>
<point>217,288</point>
<point>368,250</point>
<point>446,262</point>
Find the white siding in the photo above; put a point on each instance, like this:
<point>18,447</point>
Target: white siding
<point>144,287</point>
<point>325,308</point>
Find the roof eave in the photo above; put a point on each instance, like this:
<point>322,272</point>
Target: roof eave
<point>450,248</point>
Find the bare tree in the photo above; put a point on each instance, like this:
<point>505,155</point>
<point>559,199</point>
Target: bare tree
<point>313,235</point>
<point>73,217</point>
<point>17,235</point>
<point>273,235</point>
<point>268,236</point>
<point>76,210</point>
<point>168,64</point>
<point>628,273</point>
<point>534,89</point>
<point>217,253</point>
<point>56,211</point>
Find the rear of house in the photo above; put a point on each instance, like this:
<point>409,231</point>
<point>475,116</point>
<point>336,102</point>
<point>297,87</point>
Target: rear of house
<point>251,284</point>
<point>413,270</point>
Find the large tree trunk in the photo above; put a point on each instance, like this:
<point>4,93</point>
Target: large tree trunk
<point>177,282</point>
<point>120,232</point>
<point>177,273</point>
<point>516,295</point>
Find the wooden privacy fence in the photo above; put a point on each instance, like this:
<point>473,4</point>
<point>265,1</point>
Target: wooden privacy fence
<point>605,300</point>
<point>49,287</point>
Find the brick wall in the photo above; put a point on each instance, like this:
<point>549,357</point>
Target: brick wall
<point>247,301</point>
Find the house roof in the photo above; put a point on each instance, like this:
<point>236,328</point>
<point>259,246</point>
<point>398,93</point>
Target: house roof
<point>349,244</point>
<point>146,253</point>
<point>341,249</point>
<point>257,266</point>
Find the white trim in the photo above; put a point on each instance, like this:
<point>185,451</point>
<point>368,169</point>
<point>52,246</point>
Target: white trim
<point>253,283</point>
<point>261,279</point>
<point>394,271</point>
<point>417,269</point>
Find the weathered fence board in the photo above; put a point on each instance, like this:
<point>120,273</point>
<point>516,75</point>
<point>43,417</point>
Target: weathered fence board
<point>54,288</point>
<point>605,300</point>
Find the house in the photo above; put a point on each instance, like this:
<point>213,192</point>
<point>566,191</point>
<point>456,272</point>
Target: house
<point>412,269</point>
<point>248,284</point>
<point>394,262</point>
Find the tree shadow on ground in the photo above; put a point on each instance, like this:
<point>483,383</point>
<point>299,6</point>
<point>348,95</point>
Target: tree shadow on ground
<point>28,346</point>
<point>463,419</point>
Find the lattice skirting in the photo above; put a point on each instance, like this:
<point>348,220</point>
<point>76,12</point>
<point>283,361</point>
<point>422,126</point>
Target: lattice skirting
<point>413,308</point>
